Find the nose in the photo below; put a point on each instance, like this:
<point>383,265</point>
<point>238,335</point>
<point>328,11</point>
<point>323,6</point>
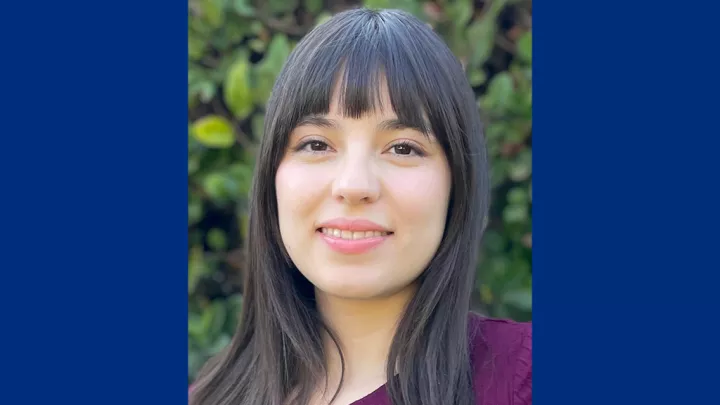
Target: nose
<point>356,183</point>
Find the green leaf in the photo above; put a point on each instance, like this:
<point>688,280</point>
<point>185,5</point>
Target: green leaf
<point>213,11</point>
<point>193,164</point>
<point>496,7</point>
<point>520,299</point>
<point>216,239</point>
<point>237,89</point>
<point>214,132</point>
<point>196,48</point>
<point>196,267</point>
<point>377,4</point>
<point>322,17</point>
<point>242,175</point>
<point>244,222</point>
<point>196,329</point>
<point>314,6</point>
<point>264,82</point>
<point>460,12</point>
<point>218,316</point>
<point>521,168</point>
<point>482,34</point>
<point>267,70</point>
<point>494,242</point>
<point>257,45</point>
<point>206,322</point>
<point>219,344</point>
<point>220,187</point>
<point>214,185</point>
<point>500,90</point>
<point>195,211</point>
<point>477,77</point>
<point>282,6</point>
<point>243,8</point>
<point>206,91</point>
<point>234,305</point>
<point>235,33</point>
<point>524,47</point>
<point>200,86</point>
<point>258,126</point>
<point>518,196</point>
<point>515,213</point>
<point>499,172</point>
<point>530,191</point>
<point>277,52</point>
<point>195,362</point>
<point>499,266</point>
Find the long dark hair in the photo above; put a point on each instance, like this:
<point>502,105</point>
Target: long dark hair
<point>277,351</point>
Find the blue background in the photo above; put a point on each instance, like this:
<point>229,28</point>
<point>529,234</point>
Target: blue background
<point>625,203</point>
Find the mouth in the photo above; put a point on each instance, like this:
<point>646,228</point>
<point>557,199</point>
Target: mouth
<point>352,235</point>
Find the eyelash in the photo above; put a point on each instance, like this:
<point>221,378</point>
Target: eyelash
<point>307,143</point>
<point>413,148</point>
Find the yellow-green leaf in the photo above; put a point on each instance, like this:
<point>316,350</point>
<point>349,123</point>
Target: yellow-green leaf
<point>524,47</point>
<point>214,132</point>
<point>481,33</point>
<point>278,51</point>
<point>213,12</point>
<point>237,89</point>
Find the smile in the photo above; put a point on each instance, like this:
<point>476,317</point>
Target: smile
<point>352,235</point>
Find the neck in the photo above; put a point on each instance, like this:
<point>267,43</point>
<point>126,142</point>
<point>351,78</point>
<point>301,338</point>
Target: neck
<point>364,330</point>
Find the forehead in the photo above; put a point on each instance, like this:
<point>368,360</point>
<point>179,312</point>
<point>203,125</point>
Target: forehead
<point>352,89</point>
<point>380,103</point>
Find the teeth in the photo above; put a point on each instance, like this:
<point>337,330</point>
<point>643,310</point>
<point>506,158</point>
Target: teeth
<point>337,233</point>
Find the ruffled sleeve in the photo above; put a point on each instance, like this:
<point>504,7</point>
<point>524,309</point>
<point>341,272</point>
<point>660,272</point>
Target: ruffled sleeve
<point>522,381</point>
<point>502,361</point>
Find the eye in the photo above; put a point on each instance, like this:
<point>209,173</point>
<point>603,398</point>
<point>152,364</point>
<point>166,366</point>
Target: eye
<point>406,149</point>
<point>317,146</point>
<point>313,146</point>
<point>402,149</point>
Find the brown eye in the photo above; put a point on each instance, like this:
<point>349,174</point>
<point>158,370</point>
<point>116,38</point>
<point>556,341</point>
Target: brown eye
<point>317,146</point>
<point>313,146</point>
<point>402,149</point>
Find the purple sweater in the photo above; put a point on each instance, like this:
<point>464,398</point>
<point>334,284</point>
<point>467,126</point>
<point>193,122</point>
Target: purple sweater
<point>501,354</point>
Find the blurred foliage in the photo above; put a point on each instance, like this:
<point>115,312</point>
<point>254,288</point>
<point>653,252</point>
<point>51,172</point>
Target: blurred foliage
<point>235,50</point>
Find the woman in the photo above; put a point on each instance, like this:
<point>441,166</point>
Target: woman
<point>366,217</point>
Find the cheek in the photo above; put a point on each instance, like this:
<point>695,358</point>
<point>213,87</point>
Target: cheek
<point>421,196</point>
<point>299,192</point>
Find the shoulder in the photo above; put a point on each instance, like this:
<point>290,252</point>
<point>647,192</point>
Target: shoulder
<point>501,353</point>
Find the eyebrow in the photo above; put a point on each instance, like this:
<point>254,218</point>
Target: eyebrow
<point>392,124</point>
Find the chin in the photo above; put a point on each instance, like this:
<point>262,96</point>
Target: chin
<point>353,291</point>
<point>359,289</point>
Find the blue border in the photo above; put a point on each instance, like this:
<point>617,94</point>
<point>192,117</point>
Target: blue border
<point>94,253</point>
<point>625,212</point>
<point>625,224</point>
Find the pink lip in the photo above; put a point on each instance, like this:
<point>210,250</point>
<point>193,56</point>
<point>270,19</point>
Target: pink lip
<point>353,225</point>
<point>355,246</point>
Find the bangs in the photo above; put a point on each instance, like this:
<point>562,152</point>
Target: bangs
<point>357,61</point>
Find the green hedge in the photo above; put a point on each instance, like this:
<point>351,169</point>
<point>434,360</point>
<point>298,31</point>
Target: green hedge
<point>236,48</point>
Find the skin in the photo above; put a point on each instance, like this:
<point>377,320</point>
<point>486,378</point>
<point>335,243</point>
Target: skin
<point>398,178</point>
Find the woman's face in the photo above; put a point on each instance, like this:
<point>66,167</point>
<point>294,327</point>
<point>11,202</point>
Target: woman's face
<point>362,202</point>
